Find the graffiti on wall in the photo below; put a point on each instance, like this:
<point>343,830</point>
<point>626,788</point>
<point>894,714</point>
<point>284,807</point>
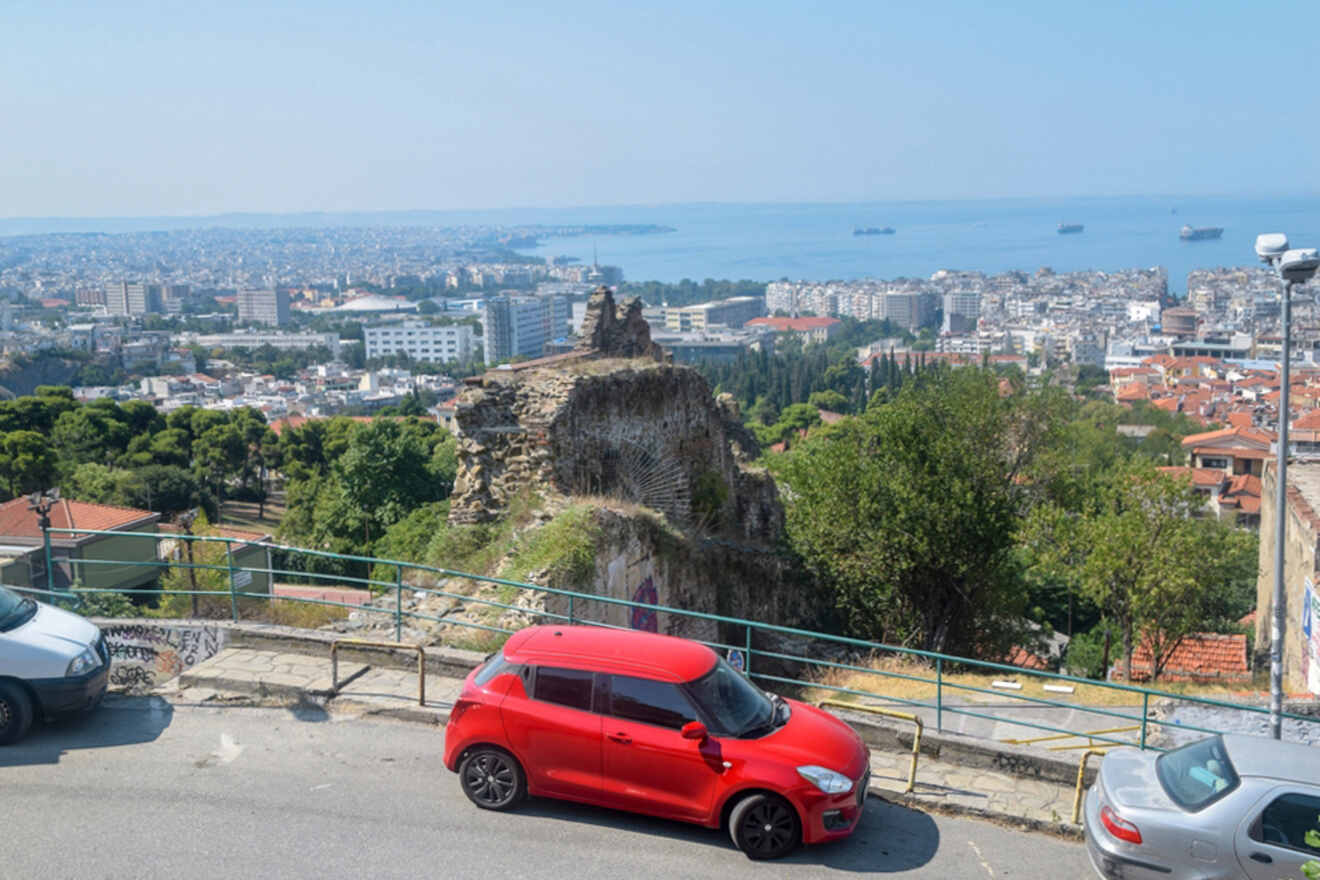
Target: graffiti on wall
<point>645,618</point>
<point>143,656</point>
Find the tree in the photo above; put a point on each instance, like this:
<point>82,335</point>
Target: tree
<point>27,462</point>
<point>217,455</point>
<point>1155,570</point>
<point>909,512</point>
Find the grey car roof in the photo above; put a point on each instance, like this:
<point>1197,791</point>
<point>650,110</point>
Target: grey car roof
<point>1271,758</point>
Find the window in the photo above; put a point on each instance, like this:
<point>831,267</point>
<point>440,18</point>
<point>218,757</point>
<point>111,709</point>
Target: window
<point>652,702</point>
<point>1197,775</point>
<point>1218,463</point>
<point>494,665</point>
<point>1286,821</point>
<point>567,687</point>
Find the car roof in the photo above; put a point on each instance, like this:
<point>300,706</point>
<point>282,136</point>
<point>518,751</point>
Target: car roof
<point>599,649</point>
<point>1272,758</point>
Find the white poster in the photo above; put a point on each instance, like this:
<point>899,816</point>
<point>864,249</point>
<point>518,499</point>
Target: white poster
<point>1311,637</point>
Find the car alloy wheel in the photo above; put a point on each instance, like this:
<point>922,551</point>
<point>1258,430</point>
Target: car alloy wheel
<point>491,778</point>
<point>764,826</point>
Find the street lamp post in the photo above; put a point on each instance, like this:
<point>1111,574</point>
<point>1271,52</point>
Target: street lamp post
<point>42,502</point>
<point>1294,267</point>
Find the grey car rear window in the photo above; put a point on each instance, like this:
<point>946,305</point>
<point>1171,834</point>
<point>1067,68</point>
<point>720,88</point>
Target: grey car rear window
<point>1197,775</point>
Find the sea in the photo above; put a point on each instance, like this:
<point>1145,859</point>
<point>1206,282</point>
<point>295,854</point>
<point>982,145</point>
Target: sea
<point>815,241</point>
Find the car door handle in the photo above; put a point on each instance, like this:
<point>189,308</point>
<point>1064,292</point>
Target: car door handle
<point>1261,857</point>
<point>620,738</point>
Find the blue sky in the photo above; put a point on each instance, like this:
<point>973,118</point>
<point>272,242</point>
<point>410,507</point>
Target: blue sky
<point>129,109</point>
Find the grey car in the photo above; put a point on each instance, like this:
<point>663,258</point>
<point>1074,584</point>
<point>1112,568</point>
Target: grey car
<point>1224,807</point>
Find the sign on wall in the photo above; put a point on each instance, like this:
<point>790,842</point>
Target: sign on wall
<point>1311,637</point>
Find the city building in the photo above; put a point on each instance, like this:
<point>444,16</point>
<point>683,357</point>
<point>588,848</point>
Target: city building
<point>264,306</point>
<point>813,329</point>
<point>421,341</point>
<point>733,312</point>
<point>521,326</point>
<point>132,298</point>
<point>257,340</point>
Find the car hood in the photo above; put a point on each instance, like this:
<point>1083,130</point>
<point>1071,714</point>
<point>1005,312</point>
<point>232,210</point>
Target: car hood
<point>1129,779</point>
<point>56,632</point>
<point>813,736</point>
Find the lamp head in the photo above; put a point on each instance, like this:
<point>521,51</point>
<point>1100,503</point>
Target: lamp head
<point>1271,246</point>
<point>1299,264</point>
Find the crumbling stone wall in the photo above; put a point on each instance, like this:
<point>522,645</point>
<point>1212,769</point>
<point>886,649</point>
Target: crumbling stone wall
<point>619,421</point>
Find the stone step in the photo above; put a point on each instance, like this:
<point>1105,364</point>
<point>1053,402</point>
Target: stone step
<point>268,674</point>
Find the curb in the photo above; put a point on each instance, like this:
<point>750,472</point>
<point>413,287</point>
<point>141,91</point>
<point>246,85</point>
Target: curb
<point>1065,830</point>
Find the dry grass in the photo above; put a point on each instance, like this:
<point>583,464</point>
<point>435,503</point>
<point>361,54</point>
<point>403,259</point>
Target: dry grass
<point>285,611</point>
<point>892,677</point>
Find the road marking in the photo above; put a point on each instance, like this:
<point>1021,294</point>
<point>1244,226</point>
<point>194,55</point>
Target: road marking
<point>323,785</point>
<point>984,864</point>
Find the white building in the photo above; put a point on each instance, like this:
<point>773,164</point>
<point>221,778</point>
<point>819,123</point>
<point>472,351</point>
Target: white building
<point>420,341</point>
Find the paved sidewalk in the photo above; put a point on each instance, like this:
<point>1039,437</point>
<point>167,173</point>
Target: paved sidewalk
<point>266,676</point>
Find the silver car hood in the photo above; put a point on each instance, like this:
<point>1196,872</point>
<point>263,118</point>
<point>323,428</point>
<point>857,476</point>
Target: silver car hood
<point>1129,779</point>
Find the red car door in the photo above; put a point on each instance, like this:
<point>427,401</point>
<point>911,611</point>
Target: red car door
<point>648,766</point>
<point>556,735</point>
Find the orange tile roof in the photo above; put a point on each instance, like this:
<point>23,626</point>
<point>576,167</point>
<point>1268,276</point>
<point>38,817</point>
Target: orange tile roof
<point>1133,391</point>
<point>1239,419</point>
<point>1310,420</point>
<point>17,521</point>
<point>1248,434</point>
<point>1198,657</point>
<point>1202,478</point>
<point>1020,656</point>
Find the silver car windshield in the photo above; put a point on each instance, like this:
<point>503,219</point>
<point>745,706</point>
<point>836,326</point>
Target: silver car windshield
<point>1197,775</point>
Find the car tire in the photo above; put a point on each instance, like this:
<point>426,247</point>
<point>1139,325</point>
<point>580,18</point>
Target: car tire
<point>492,778</point>
<point>765,826</point>
<point>15,713</point>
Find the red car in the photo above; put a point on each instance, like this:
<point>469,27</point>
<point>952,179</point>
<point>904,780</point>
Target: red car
<point>658,725</point>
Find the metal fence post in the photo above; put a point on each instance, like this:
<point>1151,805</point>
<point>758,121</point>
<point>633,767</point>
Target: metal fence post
<point>233,586</point>
<point>1145,702</point>
<point>398,602</point>
<point>939,694</point>
<point>747,660</point>
<point>50,574</point>
<point>570,610</point>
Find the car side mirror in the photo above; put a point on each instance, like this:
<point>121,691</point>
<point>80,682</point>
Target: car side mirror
<point>694,730</point>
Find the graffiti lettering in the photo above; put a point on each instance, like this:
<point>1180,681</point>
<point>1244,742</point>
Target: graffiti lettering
<point>132,677</point>
<point>142,656</point>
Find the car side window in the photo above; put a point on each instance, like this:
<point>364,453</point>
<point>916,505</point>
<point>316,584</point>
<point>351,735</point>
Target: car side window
<point>1286,820</point>
<point>567,687</point>
<point>649,701</point>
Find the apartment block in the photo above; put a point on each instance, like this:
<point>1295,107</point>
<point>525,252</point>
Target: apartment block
<point>421,341</point>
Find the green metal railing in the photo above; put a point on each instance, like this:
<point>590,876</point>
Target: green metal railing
<point>783,655</point>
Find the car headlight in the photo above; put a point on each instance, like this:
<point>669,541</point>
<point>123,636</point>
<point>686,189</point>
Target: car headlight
<point>826,780</point>
<point>84,662</point>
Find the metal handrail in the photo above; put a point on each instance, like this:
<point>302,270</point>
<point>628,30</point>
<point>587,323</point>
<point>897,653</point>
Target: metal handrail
<point>877,710</point>
<point>365,643</point>
<point>939,681</point>
<point>1081,775</point>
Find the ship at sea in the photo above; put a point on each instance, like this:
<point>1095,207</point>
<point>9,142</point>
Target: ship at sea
<point>874,230</point>
<point>1070,228</point>
<point>1200,233</point>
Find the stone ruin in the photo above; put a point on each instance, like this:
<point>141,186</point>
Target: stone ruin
<point>613,418</point>
<point>682,517</point>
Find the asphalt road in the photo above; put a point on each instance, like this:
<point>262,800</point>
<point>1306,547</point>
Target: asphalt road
<point>143,789</point>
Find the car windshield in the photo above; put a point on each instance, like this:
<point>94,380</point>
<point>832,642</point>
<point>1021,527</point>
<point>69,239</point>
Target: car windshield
<point>731,703</point>
<point>14,609</point>
<point>1197,775</point>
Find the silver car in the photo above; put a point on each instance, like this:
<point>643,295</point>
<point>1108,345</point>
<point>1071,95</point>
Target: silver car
<point>1225,807</point>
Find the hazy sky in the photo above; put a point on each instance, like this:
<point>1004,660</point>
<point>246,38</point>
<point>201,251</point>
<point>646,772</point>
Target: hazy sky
<point>111,108</point>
